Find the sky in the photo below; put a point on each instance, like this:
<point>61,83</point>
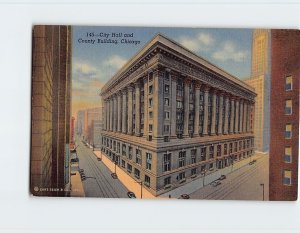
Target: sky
<point>94,64</point>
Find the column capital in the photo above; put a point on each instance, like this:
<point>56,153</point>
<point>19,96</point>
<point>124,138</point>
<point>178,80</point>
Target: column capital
<point>137,84</point>
<point>119,93</point>
<point>130,87</point>
<point>207,88</point>
<point>198,85</point>
<point>187,80</point>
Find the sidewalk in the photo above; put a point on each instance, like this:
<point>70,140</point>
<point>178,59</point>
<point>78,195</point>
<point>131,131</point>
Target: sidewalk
<point>197,183</point>
<point>77,186</point>
<point>128,181</point>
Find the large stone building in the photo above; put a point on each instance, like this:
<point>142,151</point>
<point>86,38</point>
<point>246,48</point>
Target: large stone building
<point>260,81</point>
<point>170,116</point>
<point>50,116</point>
<point>283,184</point>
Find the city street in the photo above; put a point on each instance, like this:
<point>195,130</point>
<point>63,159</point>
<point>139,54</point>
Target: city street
<point>250,182</point>
<point>99,182</point>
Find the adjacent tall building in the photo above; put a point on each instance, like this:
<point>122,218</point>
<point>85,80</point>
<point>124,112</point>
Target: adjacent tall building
<point>284,138</point>
<point>50,116</point>
<point>170,116</point>
<point>260,81</point>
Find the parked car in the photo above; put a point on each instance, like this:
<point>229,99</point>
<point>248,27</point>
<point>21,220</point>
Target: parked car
<point>185,196</point>
<point>222,177</point>
<point>99,159</point>
<point>216,183</point>
<point>131,195</point>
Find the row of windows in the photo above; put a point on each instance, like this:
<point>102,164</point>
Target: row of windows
<point>115,146</point>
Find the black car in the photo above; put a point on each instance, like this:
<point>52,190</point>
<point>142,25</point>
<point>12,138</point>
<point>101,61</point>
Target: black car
<point>216,183</point>
<point>131,195</point>
<point>185,196</point>
<point>222,177</point>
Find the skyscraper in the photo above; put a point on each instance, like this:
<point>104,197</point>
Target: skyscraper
<point>284,114</point>
<point>260,81</point>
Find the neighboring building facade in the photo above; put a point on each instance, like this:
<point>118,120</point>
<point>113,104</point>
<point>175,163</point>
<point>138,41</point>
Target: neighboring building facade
<point>92,114</point>
<point>80,122</point>
<point>96,133</point>
<point>284,115</point>
<point>50,116</point>
<point>170,116</point>
<point>260,81</point>
<point>72,131</point>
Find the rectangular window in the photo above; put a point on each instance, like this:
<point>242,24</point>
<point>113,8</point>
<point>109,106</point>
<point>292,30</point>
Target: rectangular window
<point>181,159</point>
<point>147,180</point>
<point>129,168</point>
<point>179,104</point>
<point>166,138</point>
<point>203,154</point>
<point>167,181</point>
<point>124,150</point>
<point>288,154</point>
<point>137,173</point>
<point>288,107</point>
<point>193,156</point>
<point>235,146</point>
<point>211,152</point>
<point>289,83</point>
<point>138,156</point>
<point>167,162</point>
<point>148,161</point>
<point>219,150</point>
<point>118,148</point>
<point>230,148</point>
<point>150,89</point>
<point>150,77</point>
<point>123,163</point>
<point>181,176</point>
<point>167,115</point>
<point>150,115</point>
<point>193,171</point>
<point>288,131</point>
<point>211,166</point>
<point>167,88</point>
<point>150,128</point>
<point>150,102</point>
<point>130,152</point>
<point>166,128</point>
<point>167,102</point>
<point>225,149</point>
<point>287,177</point>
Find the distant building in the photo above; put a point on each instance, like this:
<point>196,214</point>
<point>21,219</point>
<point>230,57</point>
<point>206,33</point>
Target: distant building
<point>96,133</point>
<point>170,116</point>
<point>260,81</point>
<point>80,122</point>
<point>284,115</point>
<point>50,114</point>
<point>92,115</point>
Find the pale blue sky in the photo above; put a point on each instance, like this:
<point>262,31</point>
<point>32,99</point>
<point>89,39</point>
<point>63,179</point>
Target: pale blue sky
<point>94,64</point>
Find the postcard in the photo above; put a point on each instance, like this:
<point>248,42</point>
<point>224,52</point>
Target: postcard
<point>165,113</point>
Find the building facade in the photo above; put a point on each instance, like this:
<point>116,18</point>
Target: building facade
<point>285,116</point>
<point>50,116</point>
<point>170,116</point>
<point>260,81</point>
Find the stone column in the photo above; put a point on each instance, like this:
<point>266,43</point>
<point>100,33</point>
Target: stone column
<point>124,112</point>
<point>232,112</point>
<point>245,117</point>
<point>115,116</point>
<point>226,115</point>
<point>104,114</point>
<point>130,109</point>
<point>119,112</point>
<point>186,107</point>
<point>146,129</point>
<point>111,113</point>
<point>197,109</point>
<point>205,122</point>
<point>137,109</point>
<point>213,117</point>
<point>173,104</point>
<point>220,130</point>
<point>237,104</point>
<point>241,115</point>
<point>248,117</point>
<point>158,104</point>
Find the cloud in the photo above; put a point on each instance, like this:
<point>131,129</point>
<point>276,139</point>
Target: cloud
<point>230,52</point>
<point>202,41</point>
<point>115,61</point>
<point>84,69</point>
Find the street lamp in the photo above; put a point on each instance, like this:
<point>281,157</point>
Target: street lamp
<point>263,187</point>
<point>141,183</point>
<point>203,174</point>
<point>114,174</point>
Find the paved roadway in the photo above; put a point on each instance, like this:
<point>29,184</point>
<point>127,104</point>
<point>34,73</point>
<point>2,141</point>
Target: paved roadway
<point>100,183</point>
<point>242,184</point>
